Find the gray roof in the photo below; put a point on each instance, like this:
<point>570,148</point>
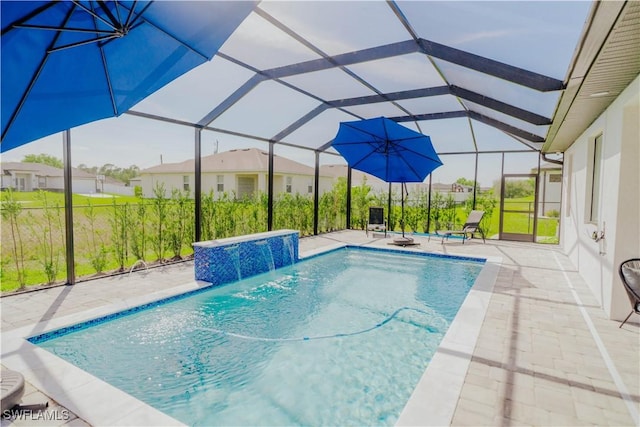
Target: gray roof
<point>40,169</point>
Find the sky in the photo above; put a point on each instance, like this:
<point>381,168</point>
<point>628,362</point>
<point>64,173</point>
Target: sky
<point>539,36</point>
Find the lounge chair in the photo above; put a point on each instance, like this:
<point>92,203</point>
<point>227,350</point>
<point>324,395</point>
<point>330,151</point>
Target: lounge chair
<point>376,221</point>
<point>471,226</point>
<point>630,274</point>
<point>12,388</point>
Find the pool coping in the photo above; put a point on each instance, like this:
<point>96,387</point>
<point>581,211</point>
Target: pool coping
<point>435,397</point>
<point>85,394</point>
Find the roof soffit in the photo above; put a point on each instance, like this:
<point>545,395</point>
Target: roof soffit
<point>604,65</point>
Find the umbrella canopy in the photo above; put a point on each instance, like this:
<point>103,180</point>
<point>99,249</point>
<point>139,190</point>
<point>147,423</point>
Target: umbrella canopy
<point>386,149</point>
<point>68,63</point>
<point>389,151</point>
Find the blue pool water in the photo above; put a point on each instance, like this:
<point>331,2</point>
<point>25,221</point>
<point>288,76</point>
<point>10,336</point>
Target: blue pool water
<point>338,339</point>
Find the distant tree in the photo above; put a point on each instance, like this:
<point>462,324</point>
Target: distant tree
<point>113,171</point>
<point>43,159</point>
<point>468,182</point>
<point>519,189</point>
<point>92,170</point>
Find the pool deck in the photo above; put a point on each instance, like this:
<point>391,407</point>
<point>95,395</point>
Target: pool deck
<point>545,353</point>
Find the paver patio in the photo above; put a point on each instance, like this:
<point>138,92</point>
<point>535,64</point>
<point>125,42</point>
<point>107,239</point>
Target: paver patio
<point>546,353</point>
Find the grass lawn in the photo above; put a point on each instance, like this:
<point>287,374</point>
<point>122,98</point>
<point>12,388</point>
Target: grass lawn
<point>42,237</point>
<point>33,199</point>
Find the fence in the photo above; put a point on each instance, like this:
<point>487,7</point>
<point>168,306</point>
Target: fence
<point>112,238</point>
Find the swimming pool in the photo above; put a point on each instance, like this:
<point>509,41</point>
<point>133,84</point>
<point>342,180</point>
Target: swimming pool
<point>314,343</point>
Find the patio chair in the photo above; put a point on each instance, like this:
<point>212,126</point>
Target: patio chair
<point>12,388</point>
<point>471,226</point>
<point>376,220</point>
<point>630,274</point>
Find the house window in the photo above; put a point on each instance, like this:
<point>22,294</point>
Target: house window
<point>288,185</point>
<point>220,183</point>
<point>596,176</point>
<point>310,188</point>
<point>42,182</point>
<point>246,186</point>
<point>185,182</point>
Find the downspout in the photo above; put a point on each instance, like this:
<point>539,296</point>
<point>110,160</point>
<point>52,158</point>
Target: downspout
<point>554,161</point>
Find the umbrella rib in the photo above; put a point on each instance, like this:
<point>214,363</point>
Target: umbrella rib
<point>386,136</point>
<point>138,16</point>
<point>369,154</point>
<point>96,40</point>
<point>70,29</point>
<point>95,15</point>
<point>423,155</point>
<point>375,136</point>
<point>110,15</point>
<point>130,15</point>
<point>35,12</point>
<point>107,77</point>
<point>34,79</point>
<point>409,165</point>
<point>191,48</point>
<point>396,149</point>
<point>118,18</point>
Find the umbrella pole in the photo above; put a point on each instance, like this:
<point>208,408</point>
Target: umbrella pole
<point>402,188</point>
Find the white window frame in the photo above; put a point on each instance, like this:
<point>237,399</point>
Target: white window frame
<point>288,187</point>
<point>594,197</point>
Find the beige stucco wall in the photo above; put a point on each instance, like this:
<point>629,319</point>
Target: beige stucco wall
<point>619,219</point>
<point>299,183</point>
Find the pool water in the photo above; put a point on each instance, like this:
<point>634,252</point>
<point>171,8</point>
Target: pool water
<point>338,339</point>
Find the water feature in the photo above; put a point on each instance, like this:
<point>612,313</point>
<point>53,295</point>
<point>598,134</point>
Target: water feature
<point>263,252</point>
<point>288,246</point>
<point>267,254</point>
<point>234,252</point>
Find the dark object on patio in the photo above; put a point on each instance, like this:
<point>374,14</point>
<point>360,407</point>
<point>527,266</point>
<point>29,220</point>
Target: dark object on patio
<point>376,220</point>
<point>630,275</point>
<point>12,386</point>
<point>471,226</point>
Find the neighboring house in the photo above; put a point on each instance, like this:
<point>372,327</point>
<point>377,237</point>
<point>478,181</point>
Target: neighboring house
<point>357,177</point>
<point>242,171</point>
<point>107,184</point>
<point>135,182</point>
<point>459,192</point>
<point>37,176</point>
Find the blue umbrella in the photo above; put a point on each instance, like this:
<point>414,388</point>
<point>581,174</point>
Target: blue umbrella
<point>387,150</point>
<point>66,63</point>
